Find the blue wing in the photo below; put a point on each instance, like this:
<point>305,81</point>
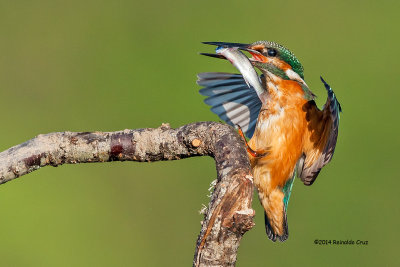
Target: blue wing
<point>231,99</point>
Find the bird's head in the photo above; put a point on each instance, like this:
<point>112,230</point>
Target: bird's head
<point>271,58</point>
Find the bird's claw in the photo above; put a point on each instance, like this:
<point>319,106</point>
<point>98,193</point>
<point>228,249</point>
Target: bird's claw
<point>254,153</point>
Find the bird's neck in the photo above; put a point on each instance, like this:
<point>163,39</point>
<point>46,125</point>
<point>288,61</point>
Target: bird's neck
<point>285,82</point>
<point>283,91</point>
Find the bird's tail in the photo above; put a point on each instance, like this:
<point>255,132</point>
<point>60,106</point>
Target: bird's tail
<point>275,204</point>
<point>272,234</point>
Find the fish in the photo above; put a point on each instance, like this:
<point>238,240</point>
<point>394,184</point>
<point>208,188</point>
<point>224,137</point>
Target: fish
<point>240,61</point>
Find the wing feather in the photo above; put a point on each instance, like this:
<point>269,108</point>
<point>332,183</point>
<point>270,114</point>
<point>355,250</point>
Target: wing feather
<point>321,154</point>
<point>231,99</point>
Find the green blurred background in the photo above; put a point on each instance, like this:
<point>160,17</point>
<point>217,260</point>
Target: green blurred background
<point>111,65</point>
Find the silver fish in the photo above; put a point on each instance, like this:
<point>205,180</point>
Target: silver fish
<point>243,64</point>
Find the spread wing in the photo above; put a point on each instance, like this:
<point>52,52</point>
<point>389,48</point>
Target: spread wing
<point>323,127</point>
<point>231,99</point>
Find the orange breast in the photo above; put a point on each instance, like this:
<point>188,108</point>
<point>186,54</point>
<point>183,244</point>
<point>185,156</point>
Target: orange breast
<point>281,126</point>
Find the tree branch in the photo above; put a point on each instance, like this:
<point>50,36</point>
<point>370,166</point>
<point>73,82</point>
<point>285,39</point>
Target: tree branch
<point>229,214</point>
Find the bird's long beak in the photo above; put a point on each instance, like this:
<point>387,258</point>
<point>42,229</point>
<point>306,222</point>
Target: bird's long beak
<point>244,47</point>
<point>213,55</point>
<point>225,44</point>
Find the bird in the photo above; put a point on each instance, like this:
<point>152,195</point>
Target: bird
<point>289,136</point>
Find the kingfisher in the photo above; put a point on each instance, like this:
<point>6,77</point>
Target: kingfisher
<point>288,134</point>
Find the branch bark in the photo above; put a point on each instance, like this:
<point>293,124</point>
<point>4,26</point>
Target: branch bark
<point>229,214</point>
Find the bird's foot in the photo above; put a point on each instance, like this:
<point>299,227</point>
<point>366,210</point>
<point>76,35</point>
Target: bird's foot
<point>255,153</point>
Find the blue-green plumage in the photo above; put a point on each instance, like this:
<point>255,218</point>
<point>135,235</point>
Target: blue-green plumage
<point>287,189</point>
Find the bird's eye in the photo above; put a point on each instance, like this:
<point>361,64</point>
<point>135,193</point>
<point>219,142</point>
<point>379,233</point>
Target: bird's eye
<point>272,52</point>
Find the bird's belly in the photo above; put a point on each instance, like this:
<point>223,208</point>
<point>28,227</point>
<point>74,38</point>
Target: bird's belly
<point>282,133</point>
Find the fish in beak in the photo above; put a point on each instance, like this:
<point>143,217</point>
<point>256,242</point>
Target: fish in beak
<point>231,52</point>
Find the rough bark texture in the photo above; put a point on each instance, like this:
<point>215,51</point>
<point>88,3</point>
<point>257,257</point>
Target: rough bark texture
<point>229,214</point>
